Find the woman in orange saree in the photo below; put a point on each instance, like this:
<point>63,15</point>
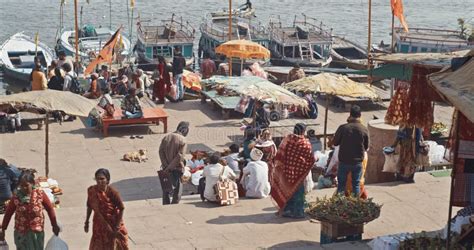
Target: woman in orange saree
<point>108,230</point>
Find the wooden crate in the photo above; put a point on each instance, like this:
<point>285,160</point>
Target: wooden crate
<point>331,232</point>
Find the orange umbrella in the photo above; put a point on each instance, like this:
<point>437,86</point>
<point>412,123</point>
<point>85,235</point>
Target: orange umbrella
<point>243,49</point>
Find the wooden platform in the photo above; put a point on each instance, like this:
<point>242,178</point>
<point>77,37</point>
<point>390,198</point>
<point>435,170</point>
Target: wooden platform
<point>225,103</point>
<point>150,116</point>
<point>346,102</point>
<point>28,118</point>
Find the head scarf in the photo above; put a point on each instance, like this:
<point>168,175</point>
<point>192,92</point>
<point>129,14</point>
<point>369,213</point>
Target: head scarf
<point>300,128</point>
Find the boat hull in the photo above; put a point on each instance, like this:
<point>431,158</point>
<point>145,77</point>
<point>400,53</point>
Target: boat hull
<point>20,77</point>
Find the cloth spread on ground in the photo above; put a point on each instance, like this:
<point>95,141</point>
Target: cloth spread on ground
<point>106,206</point>
<point>292,164</point>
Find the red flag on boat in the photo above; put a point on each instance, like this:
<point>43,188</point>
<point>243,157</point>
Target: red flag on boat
<point>107,53</point>
<point>397,10</point>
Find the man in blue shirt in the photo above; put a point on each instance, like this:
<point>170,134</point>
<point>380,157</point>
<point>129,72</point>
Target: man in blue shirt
<point>9,175</point>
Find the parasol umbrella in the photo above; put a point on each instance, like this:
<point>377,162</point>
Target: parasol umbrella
<point>51,100</point>
<point>242,49</point>
<point>332,84</point>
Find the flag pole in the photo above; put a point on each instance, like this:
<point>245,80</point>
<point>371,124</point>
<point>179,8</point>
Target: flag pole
<point>369,46</point>
<point>110,14</point>
<point>36,43</point>
<point>76,28</point>
<point>230,35</point>
<point>392,49</point>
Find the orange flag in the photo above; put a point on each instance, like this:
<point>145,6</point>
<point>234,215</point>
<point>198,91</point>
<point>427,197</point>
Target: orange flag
<point>106,55</point>
<point>397,10</point>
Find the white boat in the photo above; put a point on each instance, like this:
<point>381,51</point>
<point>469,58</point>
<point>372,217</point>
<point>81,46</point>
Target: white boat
<point>224,14</point>
<point>430,40</point>
<point>17,56</point>
<point>91,41</point>
<point>348,54</point>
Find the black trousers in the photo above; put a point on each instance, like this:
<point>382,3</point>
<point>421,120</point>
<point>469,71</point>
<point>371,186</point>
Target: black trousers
<point>174,196</point>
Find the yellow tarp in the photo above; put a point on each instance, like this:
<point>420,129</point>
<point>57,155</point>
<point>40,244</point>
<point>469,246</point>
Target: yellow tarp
<point>243,49</point>
<point>333,84</point>
<point>457,87</point>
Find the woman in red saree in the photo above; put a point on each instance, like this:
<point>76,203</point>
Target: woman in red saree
<point>108,230</point>
<point>293,162</point>
<point>162,81</point>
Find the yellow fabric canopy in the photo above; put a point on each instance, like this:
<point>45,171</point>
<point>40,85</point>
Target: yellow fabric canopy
<point>243,49</point>
<point>333,84</point>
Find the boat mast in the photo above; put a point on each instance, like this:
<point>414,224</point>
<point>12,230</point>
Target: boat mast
<point>110,14</point>
<point>230,35</point>
<point>392,49</point>
<point>369,59</point>
<point>76,29</point>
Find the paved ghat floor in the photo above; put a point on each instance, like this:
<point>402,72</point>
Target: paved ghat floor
<point>76,152</point>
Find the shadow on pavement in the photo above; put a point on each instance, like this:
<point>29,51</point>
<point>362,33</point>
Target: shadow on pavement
<point>263,218</point>
<point>144,188</point>
<point>301,244</point>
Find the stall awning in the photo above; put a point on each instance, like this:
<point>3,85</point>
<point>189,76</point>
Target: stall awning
<point>457,86</point>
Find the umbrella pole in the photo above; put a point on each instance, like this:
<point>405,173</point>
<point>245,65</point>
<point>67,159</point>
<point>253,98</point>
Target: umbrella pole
<point>326,121</point>
<point>241,66</point>
<point>46,156</point>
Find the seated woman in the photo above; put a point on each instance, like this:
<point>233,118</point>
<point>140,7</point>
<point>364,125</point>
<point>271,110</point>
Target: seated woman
<point>93,92</point>
<point>233,158</point>
<point>131,107</point>
<point>212,173</point>
<point>255,176</point>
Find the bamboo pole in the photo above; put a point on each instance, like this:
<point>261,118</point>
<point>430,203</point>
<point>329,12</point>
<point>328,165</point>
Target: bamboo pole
<point>326,121</point>
<point>110,14</point>
<point>453,176</point>
<point>76,28</point>
<point>369,46</point>
<point>392,49</point>
<point>46,151</point>
<point>230,35</point>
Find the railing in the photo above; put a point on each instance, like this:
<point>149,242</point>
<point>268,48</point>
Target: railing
<point>223,32</point>
<point>185,27</point>
<point>310,23</point>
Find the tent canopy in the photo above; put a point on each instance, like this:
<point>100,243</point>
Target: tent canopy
<point>333,84</point>
<point>457,86</point>
<point>243,49</point>
<point>258,88</point>
<point>52,100</point>
<point>420,58</point>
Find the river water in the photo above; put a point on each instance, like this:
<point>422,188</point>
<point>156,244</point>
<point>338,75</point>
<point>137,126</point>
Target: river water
<point>346,17</point>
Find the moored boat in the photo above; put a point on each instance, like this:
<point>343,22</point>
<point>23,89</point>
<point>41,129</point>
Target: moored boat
<point>348,54</point>
<point>162,39</point>
<point>306,42</point>
<point>91,41</point>
<point>17,56</point>
<point>429,40</point>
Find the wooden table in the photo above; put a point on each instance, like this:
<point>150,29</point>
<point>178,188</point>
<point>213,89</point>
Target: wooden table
<point>150,116</point>
<point>32,118</point>
<point>225,103</point>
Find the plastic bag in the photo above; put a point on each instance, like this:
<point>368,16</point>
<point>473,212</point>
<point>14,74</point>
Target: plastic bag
<point>391,161</point>
<point>56,243</point>
<point>4,245</point>
<point>309,183</point>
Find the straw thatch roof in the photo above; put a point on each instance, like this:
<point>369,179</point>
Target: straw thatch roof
<point>333,84</point>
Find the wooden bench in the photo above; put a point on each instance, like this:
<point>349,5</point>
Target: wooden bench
<point>150,115</point>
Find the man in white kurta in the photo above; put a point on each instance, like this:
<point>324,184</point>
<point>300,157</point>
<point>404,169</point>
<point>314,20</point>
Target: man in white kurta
<point>255,176</point>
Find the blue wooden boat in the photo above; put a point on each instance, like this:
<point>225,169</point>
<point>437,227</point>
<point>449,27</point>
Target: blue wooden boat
<point>162,39</point>
<point>306,42</point>
<point>419,40</point>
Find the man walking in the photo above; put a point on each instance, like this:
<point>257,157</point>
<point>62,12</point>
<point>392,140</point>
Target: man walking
<point>171,152</point>
<point>353,140</point>
<point>178,66</point>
